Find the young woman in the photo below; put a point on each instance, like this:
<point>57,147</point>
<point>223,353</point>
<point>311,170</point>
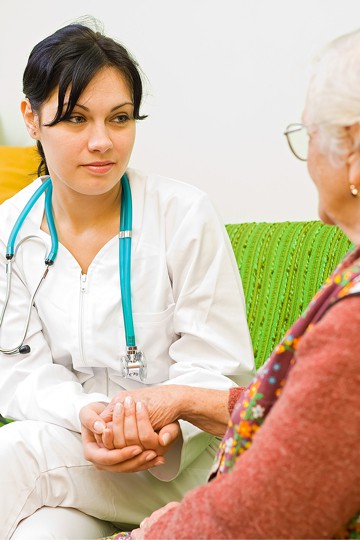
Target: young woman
<point>75,332</point>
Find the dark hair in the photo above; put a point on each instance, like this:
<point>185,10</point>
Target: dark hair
<point>72,56</point>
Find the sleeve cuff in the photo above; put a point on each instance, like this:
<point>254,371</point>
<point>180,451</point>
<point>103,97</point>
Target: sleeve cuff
<point>234,396</point>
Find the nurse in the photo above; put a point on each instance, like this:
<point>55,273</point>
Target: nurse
<point>82,100</point>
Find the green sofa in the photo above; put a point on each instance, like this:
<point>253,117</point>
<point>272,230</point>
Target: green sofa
<point>282,264</point>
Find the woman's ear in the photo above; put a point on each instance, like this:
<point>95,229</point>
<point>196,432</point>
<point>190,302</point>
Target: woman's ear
<point>31,119</point>
<point>353,160</point>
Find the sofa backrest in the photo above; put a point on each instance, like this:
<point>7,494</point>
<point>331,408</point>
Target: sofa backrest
<point>282,265</point>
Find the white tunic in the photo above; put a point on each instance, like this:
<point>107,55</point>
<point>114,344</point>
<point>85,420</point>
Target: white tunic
<point>187,299</point>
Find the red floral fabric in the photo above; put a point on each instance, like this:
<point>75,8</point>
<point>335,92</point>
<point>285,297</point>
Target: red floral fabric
<point>256,402</point>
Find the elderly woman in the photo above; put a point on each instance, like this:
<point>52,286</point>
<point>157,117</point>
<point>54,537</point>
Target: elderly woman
<point>289,463</point>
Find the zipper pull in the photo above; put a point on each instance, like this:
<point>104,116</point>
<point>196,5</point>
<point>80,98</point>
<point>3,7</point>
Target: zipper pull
<point>83,282</point>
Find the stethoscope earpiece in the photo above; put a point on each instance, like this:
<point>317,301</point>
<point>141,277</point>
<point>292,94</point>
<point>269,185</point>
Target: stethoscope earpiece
<point>24,349</point>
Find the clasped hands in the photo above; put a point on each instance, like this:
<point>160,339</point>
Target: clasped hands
<point>126,435</point>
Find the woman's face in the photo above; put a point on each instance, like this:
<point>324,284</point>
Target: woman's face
<point>331,181</point>
<point>89,152</point>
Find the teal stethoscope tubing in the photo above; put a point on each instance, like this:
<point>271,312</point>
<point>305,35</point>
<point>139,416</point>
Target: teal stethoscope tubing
<point>10,248</point>
<point>11,252</point>
<point>125,260</point>
<point>124,256</point>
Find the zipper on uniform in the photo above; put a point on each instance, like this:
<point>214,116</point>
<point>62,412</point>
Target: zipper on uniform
<point>83,288</point>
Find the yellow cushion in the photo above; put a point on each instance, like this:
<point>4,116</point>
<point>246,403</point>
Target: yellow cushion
<point>18,167</point>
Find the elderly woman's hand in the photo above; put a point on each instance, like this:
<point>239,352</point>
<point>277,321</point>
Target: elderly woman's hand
<point>206,408</point>
<point>140,534</point>
<point>163,403</point>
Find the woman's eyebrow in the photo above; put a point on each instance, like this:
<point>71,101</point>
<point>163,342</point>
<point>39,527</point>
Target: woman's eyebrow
<point>113,109</point>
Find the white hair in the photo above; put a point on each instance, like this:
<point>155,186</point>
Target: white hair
<point>333,98</point>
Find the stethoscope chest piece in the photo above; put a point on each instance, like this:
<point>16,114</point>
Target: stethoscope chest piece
<point>133,365</point>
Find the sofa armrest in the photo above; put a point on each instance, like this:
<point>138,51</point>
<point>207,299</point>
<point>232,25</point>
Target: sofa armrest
<point>18,167</point>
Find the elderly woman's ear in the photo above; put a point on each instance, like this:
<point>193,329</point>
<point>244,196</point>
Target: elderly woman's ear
<point>353,160</point>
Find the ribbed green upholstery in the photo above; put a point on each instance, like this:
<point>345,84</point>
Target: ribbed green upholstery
<point>3,420</point>
<point>282,265</point>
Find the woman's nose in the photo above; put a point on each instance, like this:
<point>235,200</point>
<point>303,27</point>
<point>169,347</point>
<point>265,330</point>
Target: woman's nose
<point>99,139</point>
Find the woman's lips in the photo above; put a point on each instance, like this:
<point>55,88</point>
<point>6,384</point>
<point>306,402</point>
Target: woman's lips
<point>99,167</point>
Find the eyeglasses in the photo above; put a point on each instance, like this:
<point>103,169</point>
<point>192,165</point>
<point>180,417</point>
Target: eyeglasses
<point>298,140</point>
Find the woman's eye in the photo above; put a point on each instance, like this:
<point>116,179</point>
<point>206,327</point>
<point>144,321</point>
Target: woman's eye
<point>121,118</point>
<point>76,119</point>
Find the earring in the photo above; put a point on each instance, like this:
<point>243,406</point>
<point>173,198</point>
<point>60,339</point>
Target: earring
<point>354,190</point>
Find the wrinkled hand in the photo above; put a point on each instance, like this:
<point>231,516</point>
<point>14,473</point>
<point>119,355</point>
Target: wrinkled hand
<point>162,402</point>
<point>131,426</point>
<point>139,534</point>
<point>129,444</point>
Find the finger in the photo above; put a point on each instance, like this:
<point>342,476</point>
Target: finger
<point>147,436</point>
<point>104,458</point>
<point>146,460</point>
<point>98,436</point>
<point>168,434</point>
<point>108,439</point>
<point>118,426</point>
<point>100,455</point>
<point>90,417</point>
<point>87,436</point>
<point>98,439</point>
<point>107,413</point>
<point>137,534</point>
<point>130,426</point>
<point>155,516</point>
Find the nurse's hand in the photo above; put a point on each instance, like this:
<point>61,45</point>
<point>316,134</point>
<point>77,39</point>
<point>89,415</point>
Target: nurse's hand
<point>126,459</point>
<point>134,452</point>
<point>131,426</point>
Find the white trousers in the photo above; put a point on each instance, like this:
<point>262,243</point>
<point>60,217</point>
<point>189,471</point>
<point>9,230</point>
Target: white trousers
<point>48,490</point>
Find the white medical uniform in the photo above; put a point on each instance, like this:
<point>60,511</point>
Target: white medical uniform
<point>189,319</point>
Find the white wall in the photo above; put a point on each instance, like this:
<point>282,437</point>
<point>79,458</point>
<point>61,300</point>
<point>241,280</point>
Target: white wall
<point>225,78</point>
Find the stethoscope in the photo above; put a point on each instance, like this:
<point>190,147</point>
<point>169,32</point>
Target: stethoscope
<point>132,364</point>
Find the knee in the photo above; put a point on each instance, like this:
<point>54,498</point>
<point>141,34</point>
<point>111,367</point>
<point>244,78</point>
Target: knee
<point>19,444</point>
